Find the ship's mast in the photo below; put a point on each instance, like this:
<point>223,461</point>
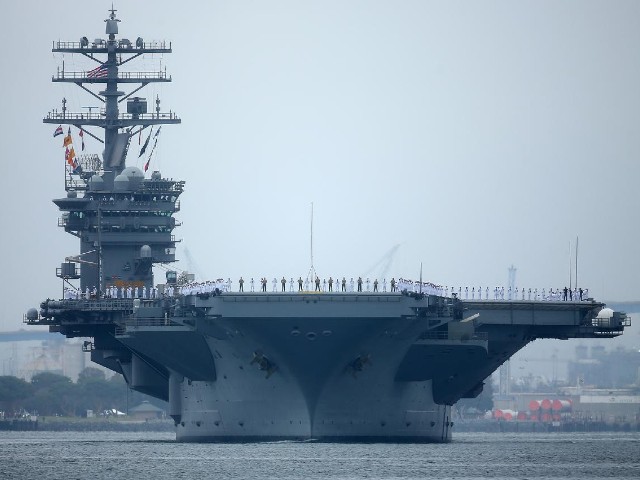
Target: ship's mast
<point>118,127</point>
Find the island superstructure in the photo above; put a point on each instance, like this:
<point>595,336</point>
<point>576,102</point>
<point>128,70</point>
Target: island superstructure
<point>252,366</point>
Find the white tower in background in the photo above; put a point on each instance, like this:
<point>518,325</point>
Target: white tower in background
<point>512,278</point>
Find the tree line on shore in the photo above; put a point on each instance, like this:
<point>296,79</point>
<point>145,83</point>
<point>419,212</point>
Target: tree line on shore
<point>51,394</point>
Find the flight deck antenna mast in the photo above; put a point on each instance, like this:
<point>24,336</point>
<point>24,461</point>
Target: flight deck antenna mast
<point>311,276</point>
<point>123,220</point>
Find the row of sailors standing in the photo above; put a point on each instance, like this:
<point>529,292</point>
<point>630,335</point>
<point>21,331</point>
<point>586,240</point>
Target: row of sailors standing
<point>338,285</point>
<point>131,292</point>
<point>566,294</point>
<point>194,288</point>
<point>318,285</point>
<point>150,293</point>
<point>499,293</point>
<point>325,285</point>
<point>112,292</point>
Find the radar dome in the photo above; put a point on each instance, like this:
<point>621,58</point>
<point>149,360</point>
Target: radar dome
<point>32,314</point>
<point>134,174</point>
<point>96,183</point>
<point>145,251</point>
<point>72,194</point>
<point>121,182</point>
<point>156,175</point>
<point>605,313</point>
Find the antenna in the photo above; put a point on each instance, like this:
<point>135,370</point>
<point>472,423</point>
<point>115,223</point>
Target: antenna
<point>576,261</point>
<point>311,235</point>
<point>570,278</point>
<point>100,256</point>
<point>113,12</point>
<point>420,277</point>
<point>90,107</point>
<point>311,276</point>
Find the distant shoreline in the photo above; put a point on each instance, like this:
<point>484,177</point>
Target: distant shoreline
<point>500,426</point>
<point>57,424</point>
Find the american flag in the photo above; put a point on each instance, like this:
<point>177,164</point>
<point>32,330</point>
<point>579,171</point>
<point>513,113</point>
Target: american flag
<point>98,72</point>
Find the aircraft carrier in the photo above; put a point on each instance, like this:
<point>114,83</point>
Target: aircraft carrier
<point>383,366</point>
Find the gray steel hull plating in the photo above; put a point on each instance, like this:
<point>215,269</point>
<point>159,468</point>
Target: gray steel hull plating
<point>316,391</point>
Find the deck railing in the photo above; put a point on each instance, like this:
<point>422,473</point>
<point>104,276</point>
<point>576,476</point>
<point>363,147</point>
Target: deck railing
<point>440,335</point>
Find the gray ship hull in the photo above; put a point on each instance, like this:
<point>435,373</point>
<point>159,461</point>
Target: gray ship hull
<point>314,393</point>
<point>402,415</point>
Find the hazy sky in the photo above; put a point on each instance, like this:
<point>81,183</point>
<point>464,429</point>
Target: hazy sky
<point>475,135</point>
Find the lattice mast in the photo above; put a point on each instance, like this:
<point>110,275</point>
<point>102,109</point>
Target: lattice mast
<point>118,127</point>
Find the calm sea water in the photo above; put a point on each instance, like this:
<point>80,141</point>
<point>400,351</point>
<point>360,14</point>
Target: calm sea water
<point>111,455</point>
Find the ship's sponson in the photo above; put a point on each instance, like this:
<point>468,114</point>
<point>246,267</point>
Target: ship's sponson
<point>358,367</point>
